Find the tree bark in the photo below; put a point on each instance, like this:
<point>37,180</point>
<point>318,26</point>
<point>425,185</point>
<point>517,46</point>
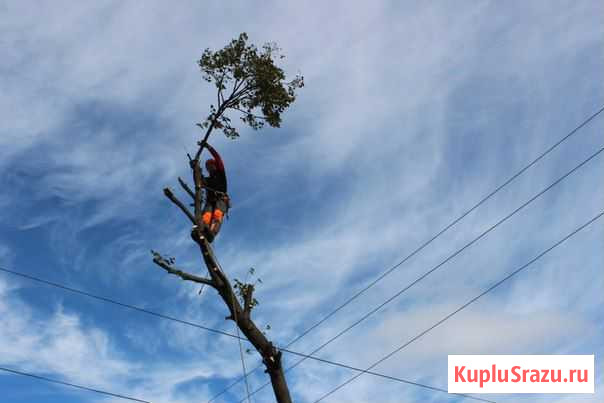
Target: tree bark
<point>271,356</point>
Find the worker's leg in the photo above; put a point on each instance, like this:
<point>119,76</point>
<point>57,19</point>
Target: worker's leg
<point>217,217</point>
<point>206,218</point>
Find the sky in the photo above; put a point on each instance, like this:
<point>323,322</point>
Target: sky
<point>412,112</point>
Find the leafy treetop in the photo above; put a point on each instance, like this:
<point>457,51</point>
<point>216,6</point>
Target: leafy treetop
<point>257,88</point>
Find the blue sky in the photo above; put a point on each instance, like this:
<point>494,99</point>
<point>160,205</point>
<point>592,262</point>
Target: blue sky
<point>411,113</point>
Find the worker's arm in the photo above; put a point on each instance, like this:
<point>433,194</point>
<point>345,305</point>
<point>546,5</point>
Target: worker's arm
<point>219,163</point>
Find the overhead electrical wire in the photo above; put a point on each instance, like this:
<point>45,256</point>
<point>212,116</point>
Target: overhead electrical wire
<point>429,241</point>
<point>73,385</point>
<point>216,331</point>
<point>114,302</point>
<point>426,274</point>
<point>464,306</point>
<point>356,295</point>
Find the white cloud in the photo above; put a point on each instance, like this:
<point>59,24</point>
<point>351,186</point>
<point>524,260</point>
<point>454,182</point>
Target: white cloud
<point>60,346</point>
<point>57,344</point>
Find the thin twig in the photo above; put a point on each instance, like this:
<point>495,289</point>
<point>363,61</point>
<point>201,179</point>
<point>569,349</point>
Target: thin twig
<point>249,113</point>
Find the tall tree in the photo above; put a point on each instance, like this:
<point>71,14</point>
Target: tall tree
<point>250,84</point>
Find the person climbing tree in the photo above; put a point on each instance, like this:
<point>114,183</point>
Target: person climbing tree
<point>217,199</point>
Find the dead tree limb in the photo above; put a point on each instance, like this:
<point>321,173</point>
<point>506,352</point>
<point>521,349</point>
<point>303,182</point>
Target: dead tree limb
<point>186,187</point>
<point>164,264</point>
<point>175,200</point>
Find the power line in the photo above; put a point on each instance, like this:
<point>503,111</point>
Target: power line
<point>421,247</point>
<point>309,356</point>
<point>247,385</point>
<point>306,356</point>
<point>361,371</point>
<point>73,385</point>
<point>387,272</point>
<point>426,274</point>
<point>112,301</point>
<point>401,380</point>
<point>461,308</point>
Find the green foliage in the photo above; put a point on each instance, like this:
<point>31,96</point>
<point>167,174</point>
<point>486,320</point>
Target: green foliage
<point>248,81</point>
<point>242,289</point>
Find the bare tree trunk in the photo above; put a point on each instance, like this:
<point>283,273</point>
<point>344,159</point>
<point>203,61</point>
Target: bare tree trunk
<point>271,356</point>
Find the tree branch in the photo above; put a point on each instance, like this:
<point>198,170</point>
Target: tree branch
<point>164,264</point>
<point>237,94</point>
<point>248,299</point>
<point>198,180</point>
<point>219,97</point>
<point>174,200</point>
<point>210,261</point>
<point>245,89</point>
<point>186,188</point>
<point>215,117</point>
<point>210,128</point>
<point>237,85</point>
<point>221,108</point>
<point>249,113</point>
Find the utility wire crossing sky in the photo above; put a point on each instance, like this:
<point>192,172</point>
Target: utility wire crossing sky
<point>417,250</point>
<point>388,300</point>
